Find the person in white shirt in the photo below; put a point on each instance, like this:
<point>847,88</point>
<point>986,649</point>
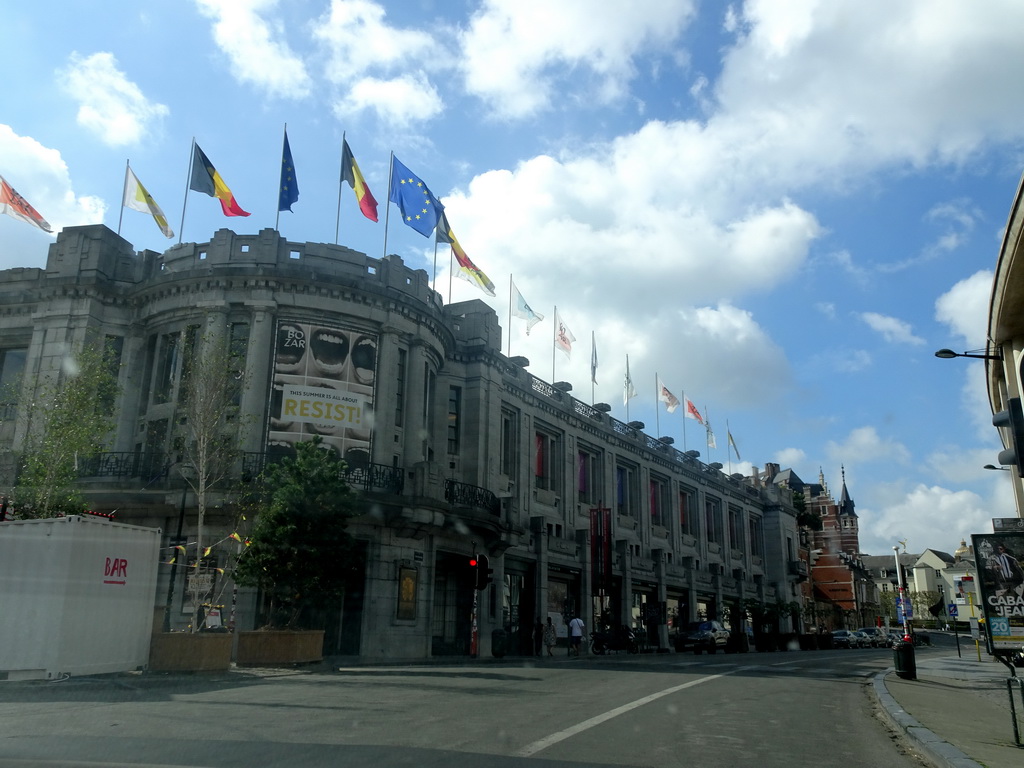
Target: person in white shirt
<point>576,628</point>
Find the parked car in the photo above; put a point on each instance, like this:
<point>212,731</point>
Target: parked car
<point>844,638</point>
<point>702,636</point>
<point>877,636</point>
<point>863,639</point>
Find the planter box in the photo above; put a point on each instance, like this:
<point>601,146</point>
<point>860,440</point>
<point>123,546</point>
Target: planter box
<point>274,647</point>
<point>187,652</point>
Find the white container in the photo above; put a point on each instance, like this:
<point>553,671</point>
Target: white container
<point>76,596</point>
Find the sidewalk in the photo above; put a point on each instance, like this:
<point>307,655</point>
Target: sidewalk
<point>957,711</point>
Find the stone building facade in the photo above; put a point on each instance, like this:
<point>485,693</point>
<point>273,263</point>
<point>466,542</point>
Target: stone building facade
<point>457,449</point>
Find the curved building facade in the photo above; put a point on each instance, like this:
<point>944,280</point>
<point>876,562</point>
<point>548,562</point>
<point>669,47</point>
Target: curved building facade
<point>457,449</point>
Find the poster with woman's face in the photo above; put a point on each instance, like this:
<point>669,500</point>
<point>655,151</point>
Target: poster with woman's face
<point>323,379</point>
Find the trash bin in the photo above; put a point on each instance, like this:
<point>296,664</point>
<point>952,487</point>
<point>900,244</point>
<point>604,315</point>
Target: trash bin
<point>904,661</point>
<point>498,643</point>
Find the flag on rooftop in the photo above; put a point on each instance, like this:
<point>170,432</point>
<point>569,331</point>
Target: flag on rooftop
<point>671,401</point>
<point>629,391</point>
<point>593,358</point>
<point>17,207</point>
<point>523,310</point>
<point>420,209</point>
<point>733,444</point>
<point>207,180</point>
<point>138,199</point>
<point>350,172</point>
<point>692,412</point>
<point>468,271</point>
<point>289,186</point>
<point>563,336</point>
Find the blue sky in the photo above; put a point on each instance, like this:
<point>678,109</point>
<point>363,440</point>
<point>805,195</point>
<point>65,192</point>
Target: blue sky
<point>782,209</point>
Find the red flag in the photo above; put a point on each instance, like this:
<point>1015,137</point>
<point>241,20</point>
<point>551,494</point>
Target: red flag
<point>16,206</point>
<point>692,412</point>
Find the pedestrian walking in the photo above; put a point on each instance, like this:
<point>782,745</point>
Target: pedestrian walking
<point>576,628</point>
<point>538,637</point>
<point>549,636</point>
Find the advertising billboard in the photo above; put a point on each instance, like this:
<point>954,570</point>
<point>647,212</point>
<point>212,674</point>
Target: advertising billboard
<point>1001,582</point>
<point>323,379</point>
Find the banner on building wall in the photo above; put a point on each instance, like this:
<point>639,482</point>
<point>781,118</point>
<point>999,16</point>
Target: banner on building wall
<point>601,550</point>
<point>1001,583</point>
<point>323,379</point>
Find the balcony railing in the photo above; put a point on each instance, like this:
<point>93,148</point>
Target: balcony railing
<point>463,495</point>
<point>363,476</point>
<point>127,464</point>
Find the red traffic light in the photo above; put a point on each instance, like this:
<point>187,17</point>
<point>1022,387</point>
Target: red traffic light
<point>472,562</point>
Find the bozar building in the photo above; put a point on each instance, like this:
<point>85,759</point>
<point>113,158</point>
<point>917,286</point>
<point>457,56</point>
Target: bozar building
<point>456,449</point>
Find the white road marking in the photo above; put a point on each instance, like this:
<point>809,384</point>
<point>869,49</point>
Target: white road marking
<point>554,738</point>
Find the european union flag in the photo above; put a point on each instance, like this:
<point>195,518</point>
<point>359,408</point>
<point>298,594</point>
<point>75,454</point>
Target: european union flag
<point>289,187</point>
<point>420,209</point>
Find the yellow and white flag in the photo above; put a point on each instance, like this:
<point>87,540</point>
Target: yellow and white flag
<point>138,199</point>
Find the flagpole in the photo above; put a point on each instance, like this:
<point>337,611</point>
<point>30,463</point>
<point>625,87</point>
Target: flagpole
<point>341,184</point>
<point>127,163</point>
<point>553,345</point>
<point>277,219</point>
<point>626,387</point>
<point>451,268</point>
<point>728,448</point>
<point>685,410</point>
<point>387,214</point>
<point>593,366</point>
<point>508,344</point>
<point>188,181</point>
<point>657,410</point>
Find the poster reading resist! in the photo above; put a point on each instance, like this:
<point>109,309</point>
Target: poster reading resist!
<point>323,378</point>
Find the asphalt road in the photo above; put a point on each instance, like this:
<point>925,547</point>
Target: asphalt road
<point>765,710</point>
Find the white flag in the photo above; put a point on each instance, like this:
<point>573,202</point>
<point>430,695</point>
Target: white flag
<point>692,412</point>
<point>563,336</point>
<point>711,433</point>
<point>628,390</point>
<point>593,358</point>
<point>671,401</point>
<point>521,309</point>
<point>138,199</point>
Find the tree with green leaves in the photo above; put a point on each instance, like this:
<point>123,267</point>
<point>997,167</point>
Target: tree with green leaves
<point>67,421</point>
<point>301,553</point>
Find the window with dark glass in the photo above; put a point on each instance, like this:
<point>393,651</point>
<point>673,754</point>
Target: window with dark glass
<point>735,528</point>
<point>657,489</point>
<point>403,359</point>
<point>756,537</point>
<point>687,512</point>
<point>454,412</point>
<point>627,490</point>
<point>509,442</point>
<point>713,520</point>
<point>546,460</point>
<point>588,475</point>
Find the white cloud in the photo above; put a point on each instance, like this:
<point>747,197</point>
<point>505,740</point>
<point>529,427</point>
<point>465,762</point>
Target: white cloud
<point>400,101</point>
<point>514,54</point>
<point>964,308</point>
<point>801,85</point>
<point>893,330</point>
<point>926,516</point>
<point>112,107</point>
<point>377,66</point>
<point>790,457</point>
<point>256,46</point>
<point>864,445</point>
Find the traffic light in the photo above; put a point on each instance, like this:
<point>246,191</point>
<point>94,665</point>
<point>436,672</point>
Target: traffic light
<point>1012,418</point>
<point>483,573</point>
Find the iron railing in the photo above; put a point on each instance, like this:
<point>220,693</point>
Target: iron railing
<point>463,495</point>
<point>126,464</point>
<point>363,476</point>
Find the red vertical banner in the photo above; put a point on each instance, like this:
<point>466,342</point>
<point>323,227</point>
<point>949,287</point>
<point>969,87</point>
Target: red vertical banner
<point>600,549</point>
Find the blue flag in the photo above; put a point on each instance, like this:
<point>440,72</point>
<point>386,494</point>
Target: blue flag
<point>420,209</point>
<point>289,187</point>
